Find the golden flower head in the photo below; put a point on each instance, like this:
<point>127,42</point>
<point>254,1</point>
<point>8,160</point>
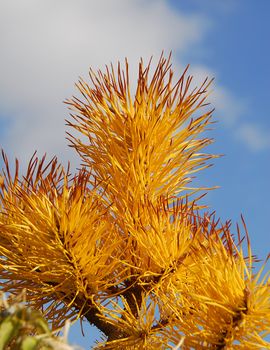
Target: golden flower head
<point>146,145</point>
<point>57,239</point>
<point>221,302</point>
<point>122,242</point>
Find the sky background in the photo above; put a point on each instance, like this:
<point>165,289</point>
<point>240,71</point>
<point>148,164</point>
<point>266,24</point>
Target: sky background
<point>45,45</point>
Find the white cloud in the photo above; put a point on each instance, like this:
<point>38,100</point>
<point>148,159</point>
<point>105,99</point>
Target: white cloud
<point>254,136</point>
<point>46,45</point>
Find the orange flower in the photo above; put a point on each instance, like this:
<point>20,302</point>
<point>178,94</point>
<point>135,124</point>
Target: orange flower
<point>142,146</point>
<point>57,239</point>
<point>123,242</point>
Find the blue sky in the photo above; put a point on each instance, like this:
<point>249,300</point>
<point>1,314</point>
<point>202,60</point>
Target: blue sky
<point>46,45</point>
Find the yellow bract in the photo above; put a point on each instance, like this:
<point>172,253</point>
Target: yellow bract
<point>59,244</point>
<point>220,304</point>
<point>124,242</point>
<point>146,146</point>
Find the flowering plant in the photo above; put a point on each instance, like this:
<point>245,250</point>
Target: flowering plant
<point>125,242</point>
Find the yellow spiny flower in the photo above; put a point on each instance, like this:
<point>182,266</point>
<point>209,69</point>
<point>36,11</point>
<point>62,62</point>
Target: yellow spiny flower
<point>123,242</point>
<point>142,146</point>
<point>222,304</point>
<point>57,239</point>
<point>138,331</point>
<point>159,238</point>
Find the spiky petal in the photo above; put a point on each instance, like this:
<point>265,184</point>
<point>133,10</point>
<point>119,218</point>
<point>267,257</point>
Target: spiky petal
<point>57,240</point>
<point>146,145</point>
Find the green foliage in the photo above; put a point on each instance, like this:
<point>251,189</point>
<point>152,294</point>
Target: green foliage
<point>22,328</point>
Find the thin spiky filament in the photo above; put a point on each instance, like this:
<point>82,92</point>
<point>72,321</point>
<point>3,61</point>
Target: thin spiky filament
<point>214,300</point>
<point>221,304</point>
<point>122,245</point>
<point>148,145</point>
<point>68,250</point>
<point>139,330</point>
<point>57,239</point>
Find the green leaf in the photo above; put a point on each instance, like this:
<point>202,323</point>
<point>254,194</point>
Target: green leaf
<point>9,328</point>
<point>41,324</point>
<point>30,343</point>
